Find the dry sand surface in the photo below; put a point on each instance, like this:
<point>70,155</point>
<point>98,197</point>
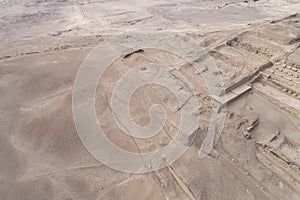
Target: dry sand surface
<point>254,44</point>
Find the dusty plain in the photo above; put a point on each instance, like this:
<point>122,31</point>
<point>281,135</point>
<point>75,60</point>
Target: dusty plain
<point>255,44</point>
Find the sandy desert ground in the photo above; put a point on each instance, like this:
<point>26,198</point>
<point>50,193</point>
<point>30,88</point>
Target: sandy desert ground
<point>254,44</point>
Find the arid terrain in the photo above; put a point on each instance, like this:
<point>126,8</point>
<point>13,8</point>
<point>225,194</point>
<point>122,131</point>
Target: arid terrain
<point>255,46</point>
